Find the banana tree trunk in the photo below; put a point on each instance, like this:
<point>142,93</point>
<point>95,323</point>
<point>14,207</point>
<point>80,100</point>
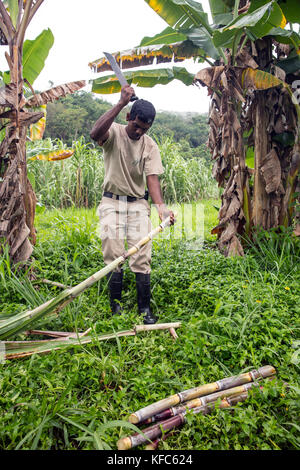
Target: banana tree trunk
<point>261,199</point>
<point>17,199</point>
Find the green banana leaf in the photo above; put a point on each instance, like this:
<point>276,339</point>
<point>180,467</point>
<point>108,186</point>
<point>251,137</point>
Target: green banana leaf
<point>257,24</point>
<point>221,11</point>
<point>167,36</point>
<point>13,9</point>
<point>291,64</point>
<point>143,78</point>
<point>35,52</point>
<point>286,139</point>
<point>180,14</point>
<point>201,38</point>
<point>250,160</point>
<point>291,10</point>
<point>286,36</point>
<point>260,80</point>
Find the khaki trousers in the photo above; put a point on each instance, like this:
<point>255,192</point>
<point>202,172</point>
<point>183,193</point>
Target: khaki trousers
<point>122,221</point>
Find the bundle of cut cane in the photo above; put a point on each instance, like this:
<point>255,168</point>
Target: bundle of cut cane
<point>20,322</point>
<point>202,399</point>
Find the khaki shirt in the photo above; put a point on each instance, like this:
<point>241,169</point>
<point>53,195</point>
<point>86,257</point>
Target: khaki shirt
<point>127,162</point>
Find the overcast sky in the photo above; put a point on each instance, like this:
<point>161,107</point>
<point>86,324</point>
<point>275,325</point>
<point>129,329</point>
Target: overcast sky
<point>83,30</point>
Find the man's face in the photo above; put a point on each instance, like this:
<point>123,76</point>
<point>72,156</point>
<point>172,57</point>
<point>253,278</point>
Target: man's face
<point>136,128</point>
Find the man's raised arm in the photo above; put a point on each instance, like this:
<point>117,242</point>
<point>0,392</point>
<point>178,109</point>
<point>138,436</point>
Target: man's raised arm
<point>100,130</point>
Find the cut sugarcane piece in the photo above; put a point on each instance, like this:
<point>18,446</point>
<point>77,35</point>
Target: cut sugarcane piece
<point>173,400</point>
<point>154,432</point>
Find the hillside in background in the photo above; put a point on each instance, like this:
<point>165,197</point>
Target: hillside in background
<point>73,117</point>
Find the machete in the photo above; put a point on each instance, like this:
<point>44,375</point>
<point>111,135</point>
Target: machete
<point>113,63</point>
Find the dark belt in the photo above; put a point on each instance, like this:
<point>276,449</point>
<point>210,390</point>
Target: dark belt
<point>128,198</point>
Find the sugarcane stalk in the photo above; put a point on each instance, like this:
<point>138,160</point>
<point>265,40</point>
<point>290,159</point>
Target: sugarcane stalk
<point>20,349</point>
<point>186,395</point>
<point>52,334</point>
<point>53,283</point>
<point>201,401</point>
<point>154,432</point>
<point>173,334</point>
<point>22,320</point>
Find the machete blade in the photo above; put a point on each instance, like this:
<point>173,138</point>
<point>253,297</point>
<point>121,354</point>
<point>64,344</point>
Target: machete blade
<point>115,67</point>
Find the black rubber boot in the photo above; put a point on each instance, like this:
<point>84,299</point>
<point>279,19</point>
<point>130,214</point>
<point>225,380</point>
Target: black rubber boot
<point>115,282</point>
<point>143,298</point>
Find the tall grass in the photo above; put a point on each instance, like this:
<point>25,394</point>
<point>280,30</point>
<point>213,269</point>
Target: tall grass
<point>74,182</point>
<point>184,180</point>
<point>78,181</point>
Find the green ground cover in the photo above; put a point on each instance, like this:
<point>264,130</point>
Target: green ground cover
<point>236,314</point>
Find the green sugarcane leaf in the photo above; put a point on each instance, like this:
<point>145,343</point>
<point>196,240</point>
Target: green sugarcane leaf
<point>35,52</point>
<point>167,36</point>
<point>143,78</point>
<point>77,425</point>
<point>122,424</point>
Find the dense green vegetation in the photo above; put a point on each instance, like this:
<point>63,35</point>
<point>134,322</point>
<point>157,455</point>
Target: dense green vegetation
<point>236,314</point>
<point>78,181</point>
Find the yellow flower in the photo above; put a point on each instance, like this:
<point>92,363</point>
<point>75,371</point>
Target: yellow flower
<point>258,301</point>
<point>287,288</point>
<point>244,287</point>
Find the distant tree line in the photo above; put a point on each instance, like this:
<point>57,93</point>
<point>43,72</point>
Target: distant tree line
<point>73,117</point>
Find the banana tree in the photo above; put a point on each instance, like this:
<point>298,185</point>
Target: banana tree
<point>253,57</point>
<point>25,61</point>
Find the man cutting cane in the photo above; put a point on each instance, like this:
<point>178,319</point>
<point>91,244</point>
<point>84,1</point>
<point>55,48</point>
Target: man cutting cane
<point>131,161</point>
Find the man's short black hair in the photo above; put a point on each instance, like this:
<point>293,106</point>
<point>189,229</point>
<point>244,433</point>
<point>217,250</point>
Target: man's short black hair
<point>144,110</point>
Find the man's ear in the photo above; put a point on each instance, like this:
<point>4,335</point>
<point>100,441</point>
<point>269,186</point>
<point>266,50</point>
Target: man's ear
<point>128,117</point>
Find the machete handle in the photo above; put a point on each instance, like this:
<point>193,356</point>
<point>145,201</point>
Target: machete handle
<point>134,98</point>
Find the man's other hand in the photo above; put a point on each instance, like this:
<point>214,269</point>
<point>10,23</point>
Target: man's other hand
<point>164,212</point>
